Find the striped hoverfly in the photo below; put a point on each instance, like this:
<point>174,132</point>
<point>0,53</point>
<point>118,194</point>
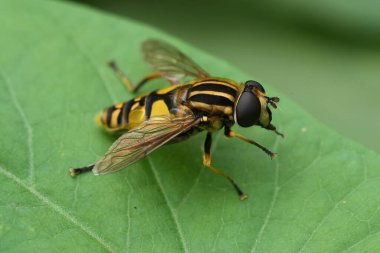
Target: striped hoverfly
<point>179,111</point>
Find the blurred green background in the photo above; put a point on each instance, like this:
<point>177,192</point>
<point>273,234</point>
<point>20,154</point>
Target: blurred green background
<point>325,54</point>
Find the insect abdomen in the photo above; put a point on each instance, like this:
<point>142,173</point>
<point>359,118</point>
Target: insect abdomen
<point>113,118</point>
<point>127,115</point>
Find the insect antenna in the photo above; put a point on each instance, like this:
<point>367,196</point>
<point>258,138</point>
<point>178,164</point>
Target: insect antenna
<point>273,101</point>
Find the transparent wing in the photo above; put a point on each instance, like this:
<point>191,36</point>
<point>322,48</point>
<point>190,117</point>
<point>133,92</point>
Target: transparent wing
<point>142,140</point>
<point>170,62</point>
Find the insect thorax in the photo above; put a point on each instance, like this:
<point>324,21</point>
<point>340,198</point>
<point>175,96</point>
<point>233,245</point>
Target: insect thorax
<point>215,97</point>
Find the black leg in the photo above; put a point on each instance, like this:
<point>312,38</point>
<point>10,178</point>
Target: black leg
<point>274,129</point>
<point>76,171</point>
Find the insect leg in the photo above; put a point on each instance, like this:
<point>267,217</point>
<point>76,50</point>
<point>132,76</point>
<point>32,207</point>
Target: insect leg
<point>274,129</point>
<point>207,163</point>
<point>229,133</point>
<point>76,171</point>
<point>131,87</point>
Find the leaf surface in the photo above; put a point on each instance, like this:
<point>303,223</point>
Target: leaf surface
<point>320,195</point>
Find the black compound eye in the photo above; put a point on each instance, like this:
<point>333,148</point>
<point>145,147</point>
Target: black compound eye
<point>255,84</point>
<point>248,109</point>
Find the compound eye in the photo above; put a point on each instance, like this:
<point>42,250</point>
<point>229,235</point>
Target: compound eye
<point>255,84</point>
<point>248,109</point>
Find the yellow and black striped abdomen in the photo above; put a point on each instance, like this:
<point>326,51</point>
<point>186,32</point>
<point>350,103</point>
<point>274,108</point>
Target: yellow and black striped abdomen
<point>213,96</point>
<point>128,115</point>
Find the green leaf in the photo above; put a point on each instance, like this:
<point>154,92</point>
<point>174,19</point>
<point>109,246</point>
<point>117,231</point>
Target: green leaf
<point>320,195</point>
<point>312,51</point>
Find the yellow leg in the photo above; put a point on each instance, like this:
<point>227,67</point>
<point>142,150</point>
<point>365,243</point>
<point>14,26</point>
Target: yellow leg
<point>130,86</point>
<point>207,163</point>
<point>230,133</point>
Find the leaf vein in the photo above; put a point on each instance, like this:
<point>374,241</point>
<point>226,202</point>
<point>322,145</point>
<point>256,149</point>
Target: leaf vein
<point>328,214</point>
<point>272,203</point>
<point>311,164</point>
<point>27,126</point>
<point>196,181</point>
<point>58,209</point>
<point>92,63</point>
<point>171,209</point>
<point>127,239</point>
<point>360,241</point>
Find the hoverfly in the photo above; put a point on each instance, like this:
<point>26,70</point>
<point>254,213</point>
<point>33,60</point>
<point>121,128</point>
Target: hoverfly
<point>179,111</point>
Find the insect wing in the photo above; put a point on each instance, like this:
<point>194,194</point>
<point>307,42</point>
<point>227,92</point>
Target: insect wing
<point>142,140</point>
<point>170,62</point>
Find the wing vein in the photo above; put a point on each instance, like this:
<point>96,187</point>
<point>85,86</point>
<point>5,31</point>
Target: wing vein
<point>142,140</point>
<point>170,62</point>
